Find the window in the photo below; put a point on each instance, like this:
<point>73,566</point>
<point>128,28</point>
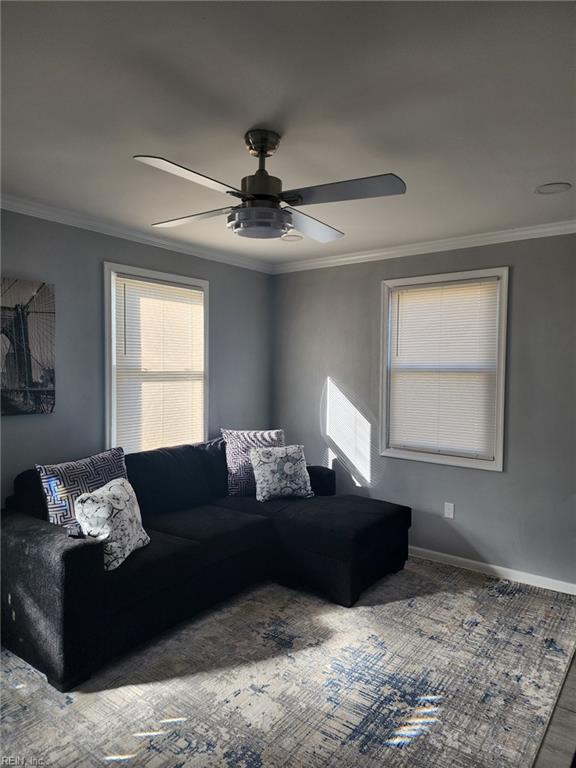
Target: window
<point>444,354</point>
<point>156,358</point>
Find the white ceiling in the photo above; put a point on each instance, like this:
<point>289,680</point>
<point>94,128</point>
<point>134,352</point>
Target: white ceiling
<point>472,104</point>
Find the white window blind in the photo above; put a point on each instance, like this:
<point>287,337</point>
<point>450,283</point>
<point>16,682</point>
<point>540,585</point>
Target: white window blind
<point>158,376</point>
<point>443,377</point>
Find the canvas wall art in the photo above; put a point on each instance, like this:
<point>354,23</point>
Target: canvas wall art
<point>27,347</point>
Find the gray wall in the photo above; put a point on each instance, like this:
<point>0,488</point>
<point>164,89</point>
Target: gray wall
<point>327,324</point>
<point>72,259</point>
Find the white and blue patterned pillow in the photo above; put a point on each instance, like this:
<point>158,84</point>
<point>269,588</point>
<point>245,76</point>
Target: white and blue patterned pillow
<point>111,514</point>
<point>280,472</point>
<point>63,483</point>
<point>238,444</point>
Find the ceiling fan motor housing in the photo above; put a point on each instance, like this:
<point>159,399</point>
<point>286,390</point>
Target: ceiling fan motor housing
<point>261,184</point>
<point>260,215</point>
<point>260,219</point>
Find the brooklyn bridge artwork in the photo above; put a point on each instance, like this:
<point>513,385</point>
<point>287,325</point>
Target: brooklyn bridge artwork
<point>27,347</point>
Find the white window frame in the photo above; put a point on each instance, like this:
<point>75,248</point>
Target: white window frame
<point>111,270</point>
<point>496,464</point>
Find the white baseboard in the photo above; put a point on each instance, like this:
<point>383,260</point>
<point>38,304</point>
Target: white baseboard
<point>495,570</point>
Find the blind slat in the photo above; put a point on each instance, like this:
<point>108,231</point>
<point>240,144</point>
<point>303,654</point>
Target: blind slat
<point>442,367</point>
<point>158,367</point>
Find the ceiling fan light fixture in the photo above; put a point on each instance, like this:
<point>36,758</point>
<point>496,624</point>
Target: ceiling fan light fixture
<point>259,222</point>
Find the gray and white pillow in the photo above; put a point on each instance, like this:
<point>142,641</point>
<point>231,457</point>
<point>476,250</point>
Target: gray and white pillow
<point>238,444</point>
<point>111,514</point>
<point>280,472</point>
<point>63,483</point>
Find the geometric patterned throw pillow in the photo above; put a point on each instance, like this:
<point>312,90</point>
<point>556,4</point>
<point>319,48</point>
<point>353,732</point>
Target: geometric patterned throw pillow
<point>280,472</point>
<point>238,444</point>
<point>111,514</point>
<point>63,483</point>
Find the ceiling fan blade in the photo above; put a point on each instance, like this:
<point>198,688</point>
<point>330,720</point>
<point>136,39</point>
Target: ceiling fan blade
<point>193,217</point>
<point>353,189</point>
<point>314,229</point>
<point>185,173</point>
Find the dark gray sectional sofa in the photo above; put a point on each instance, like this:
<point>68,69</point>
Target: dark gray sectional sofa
<point>67,616</point>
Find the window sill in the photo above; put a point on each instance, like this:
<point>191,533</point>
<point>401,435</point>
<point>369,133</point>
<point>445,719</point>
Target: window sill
<point>495,465</point>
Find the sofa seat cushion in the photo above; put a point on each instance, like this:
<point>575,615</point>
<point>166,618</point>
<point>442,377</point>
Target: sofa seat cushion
<point>167,562</point>
<point>220,532</point>
<point>249,505</point>
<point>339,526</point>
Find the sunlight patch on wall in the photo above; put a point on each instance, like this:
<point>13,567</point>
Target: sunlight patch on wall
<point>332,457</point>
<point>348,433</point>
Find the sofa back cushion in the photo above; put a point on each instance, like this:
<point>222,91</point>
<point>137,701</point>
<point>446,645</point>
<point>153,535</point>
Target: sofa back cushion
<point>29,495</point>
<point>214,459</point>
<point>164,479</point>
<point>169,479</point>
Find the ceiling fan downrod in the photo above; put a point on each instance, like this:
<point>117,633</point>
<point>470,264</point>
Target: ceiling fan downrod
<point>262,143</point>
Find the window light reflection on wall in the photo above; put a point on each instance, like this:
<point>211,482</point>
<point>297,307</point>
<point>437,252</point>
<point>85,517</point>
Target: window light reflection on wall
<point>348,433</point>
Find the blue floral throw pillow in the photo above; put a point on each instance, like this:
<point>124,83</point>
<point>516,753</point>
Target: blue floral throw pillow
<point>111,514</point>
<point>280,472</point>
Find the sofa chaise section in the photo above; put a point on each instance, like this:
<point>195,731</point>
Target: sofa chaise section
<point>334,545</point>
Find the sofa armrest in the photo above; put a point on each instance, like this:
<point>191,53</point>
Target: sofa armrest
<point>51,597</point>
<point>322,480</point>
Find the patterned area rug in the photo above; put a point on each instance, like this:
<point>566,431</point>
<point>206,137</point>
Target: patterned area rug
<point>435,668</point>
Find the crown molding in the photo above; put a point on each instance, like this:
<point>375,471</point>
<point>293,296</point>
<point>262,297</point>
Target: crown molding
<point>81,221</point>
<point>72,219</point>
<point>430,246</point>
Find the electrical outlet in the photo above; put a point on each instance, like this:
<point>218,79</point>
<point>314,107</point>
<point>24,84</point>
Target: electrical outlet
<point>449,510</point>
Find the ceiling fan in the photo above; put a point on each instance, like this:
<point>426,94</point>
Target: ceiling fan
<point>265,211</point>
